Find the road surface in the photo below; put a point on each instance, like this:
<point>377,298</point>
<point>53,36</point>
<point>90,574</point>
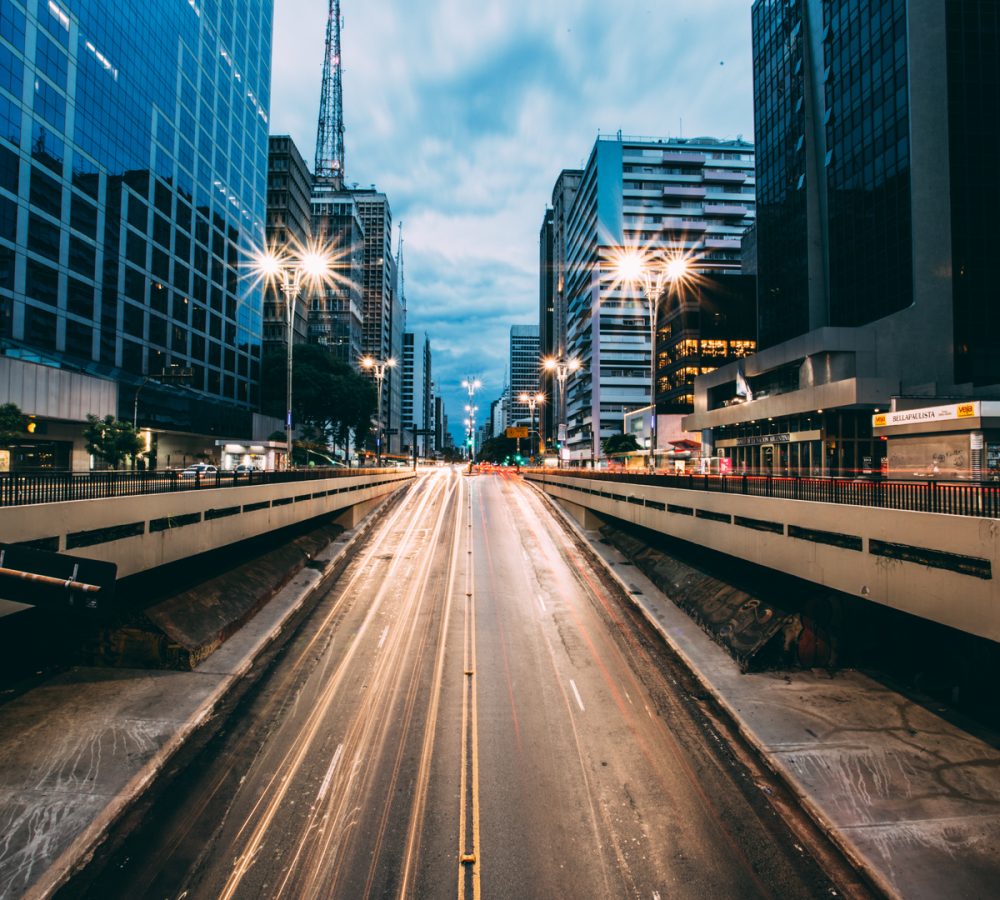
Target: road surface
<point>470,712</point>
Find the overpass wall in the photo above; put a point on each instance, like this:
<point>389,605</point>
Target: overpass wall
<point>940,567</point>
<point>143,532</point>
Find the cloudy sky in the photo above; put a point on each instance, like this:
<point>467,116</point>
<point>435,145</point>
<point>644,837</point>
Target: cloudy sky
<point>465,111</point>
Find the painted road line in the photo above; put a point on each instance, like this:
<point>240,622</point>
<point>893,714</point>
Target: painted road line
<point>576,693</point>
<point>325,786</point>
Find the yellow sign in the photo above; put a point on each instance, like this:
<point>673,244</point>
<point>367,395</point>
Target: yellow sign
<point>927,414</point>
<point>966,410</point>
<point>517,432</point>
<point>879,420</point>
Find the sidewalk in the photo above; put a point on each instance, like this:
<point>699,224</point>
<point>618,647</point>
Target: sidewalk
<point>78,750</point>
<point>911,800</point>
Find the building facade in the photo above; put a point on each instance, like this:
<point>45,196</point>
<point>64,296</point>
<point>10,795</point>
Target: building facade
<point>524,363</point>
<point>288,227</point>
<point>417,398</point>
<point>133,167</point>
<point>693,197</point>
<point>874,228</point>
<point>383,321</point>
<point>335,311</point>
<point>552,295</point>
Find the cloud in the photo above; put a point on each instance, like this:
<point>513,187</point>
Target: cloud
<point>465,115</point>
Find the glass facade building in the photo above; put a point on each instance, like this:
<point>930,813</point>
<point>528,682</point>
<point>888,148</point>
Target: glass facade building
<point>133,163</point>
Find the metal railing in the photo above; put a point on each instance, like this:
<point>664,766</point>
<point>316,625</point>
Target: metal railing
<point>20,489</point>
<point>957,498</point>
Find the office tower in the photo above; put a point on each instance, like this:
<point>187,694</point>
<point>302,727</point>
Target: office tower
<point>133,163</point>
<point>335,310</point>
<point>524,369</point>
<point>875,128</point>
<point>552,298</point>
<point>288,226</point>
<point>689,196</point>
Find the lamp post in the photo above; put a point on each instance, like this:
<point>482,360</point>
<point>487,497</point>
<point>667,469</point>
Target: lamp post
<point>292,270</point>
<point>653,272</point>
<point>379,368</point>
<point>532,400</point>
<point>563,368</point>
<point>472,385</point>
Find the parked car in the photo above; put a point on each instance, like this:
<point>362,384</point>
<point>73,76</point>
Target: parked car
<point>199,470</point>
<point>245,469</point>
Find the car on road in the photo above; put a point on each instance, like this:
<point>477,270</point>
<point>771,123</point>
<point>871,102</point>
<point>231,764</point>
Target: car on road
<point>244,469</point>
<point>199,470</point>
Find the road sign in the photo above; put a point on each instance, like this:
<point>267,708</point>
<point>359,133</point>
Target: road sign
<point>518,432</point>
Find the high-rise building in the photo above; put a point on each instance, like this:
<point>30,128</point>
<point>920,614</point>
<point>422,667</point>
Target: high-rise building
<point>382,309</point>
<point>133,167</point>
<point>691,196</point>
<point>524,369</point>
<point>288,225</point>
<point>875,128</point>
<point>552,296</point>
<point>335,317</point>
<point>417,414</point>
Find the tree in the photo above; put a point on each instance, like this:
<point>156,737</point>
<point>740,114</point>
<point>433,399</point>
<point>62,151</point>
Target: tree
<point>331,402</point>
<point>112,439</point>
<point>12,424</point>
<point>619,444</point>
<point>497,449</point>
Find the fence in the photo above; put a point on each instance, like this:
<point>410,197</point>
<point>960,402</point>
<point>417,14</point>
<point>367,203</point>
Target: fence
<point>20,489</point>
<point>957,498</point>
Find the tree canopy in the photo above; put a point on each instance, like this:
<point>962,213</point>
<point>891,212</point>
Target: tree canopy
<point>112,439</point>
<point>330,401</point>
<point>12,424</point>
<point>620,443</point>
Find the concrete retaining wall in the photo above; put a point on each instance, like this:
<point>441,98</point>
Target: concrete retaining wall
<point>143,532</point>
<point>941,567</point>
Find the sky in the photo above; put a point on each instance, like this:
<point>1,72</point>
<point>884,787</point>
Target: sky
<point>464,112</point>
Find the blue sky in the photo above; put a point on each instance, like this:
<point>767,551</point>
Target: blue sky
<point>465,112</point>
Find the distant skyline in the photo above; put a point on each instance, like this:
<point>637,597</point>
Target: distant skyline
<point>465,121</point>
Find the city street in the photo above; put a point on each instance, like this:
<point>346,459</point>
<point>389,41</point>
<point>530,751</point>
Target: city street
<point>466,713</point>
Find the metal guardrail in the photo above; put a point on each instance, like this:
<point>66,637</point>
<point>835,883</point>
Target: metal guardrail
<point>957,498</point>
<point>21,489</point>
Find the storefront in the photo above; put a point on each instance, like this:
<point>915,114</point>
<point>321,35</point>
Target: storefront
<point>839,442</point>
<point>263,455</point>
<point>954,442</point>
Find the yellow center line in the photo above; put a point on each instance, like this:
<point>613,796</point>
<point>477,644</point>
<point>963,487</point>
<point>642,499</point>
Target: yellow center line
<point>469,848</point>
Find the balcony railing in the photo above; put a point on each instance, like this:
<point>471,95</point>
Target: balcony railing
<point>21,489</point>
<point>956,498</point>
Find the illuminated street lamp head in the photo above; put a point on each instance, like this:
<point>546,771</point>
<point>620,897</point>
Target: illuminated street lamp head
<point>367,362</point>
<point>549,363</point>
<point>390,362</point>
<point>539,397</point>
<point>575,365</point>
<point>677,268</point>
<point>523,398</point>
<point>267,264</point>
<point>315,266</point>
<point>631,266</point>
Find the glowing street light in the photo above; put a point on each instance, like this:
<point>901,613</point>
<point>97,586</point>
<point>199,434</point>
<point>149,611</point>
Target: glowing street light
<point>292,269</point>
<point>563,368</point>
<point>532,400</point>
<point>378,367</point>
<point>654,272</point>
<point>472,385</point>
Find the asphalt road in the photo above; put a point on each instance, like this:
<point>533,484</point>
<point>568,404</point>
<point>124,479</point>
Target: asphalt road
<point>470,711</point>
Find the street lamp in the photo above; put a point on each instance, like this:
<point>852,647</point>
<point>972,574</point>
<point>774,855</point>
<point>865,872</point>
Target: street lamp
<point>378,367</point>
<point>532,400</point>
<point>291,270</point>
<point>472,385</point>
<point>563,368</point>
<point>653,272</point>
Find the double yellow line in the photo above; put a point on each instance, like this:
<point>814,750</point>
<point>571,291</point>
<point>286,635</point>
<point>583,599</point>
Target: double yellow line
<point>469,866</point>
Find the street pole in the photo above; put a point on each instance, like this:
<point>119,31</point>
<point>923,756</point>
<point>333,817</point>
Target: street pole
<point>378,367</point>
<point>290,270</point>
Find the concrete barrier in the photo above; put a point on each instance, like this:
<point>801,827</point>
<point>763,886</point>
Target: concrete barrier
<point>143,532</point>
<point>940,567</point>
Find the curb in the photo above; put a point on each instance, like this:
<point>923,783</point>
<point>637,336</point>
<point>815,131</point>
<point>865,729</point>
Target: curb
<point>82,849</point>
<point>850,852</point>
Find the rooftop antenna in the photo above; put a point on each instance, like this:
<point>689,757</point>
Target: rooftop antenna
<point>330,129</point>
